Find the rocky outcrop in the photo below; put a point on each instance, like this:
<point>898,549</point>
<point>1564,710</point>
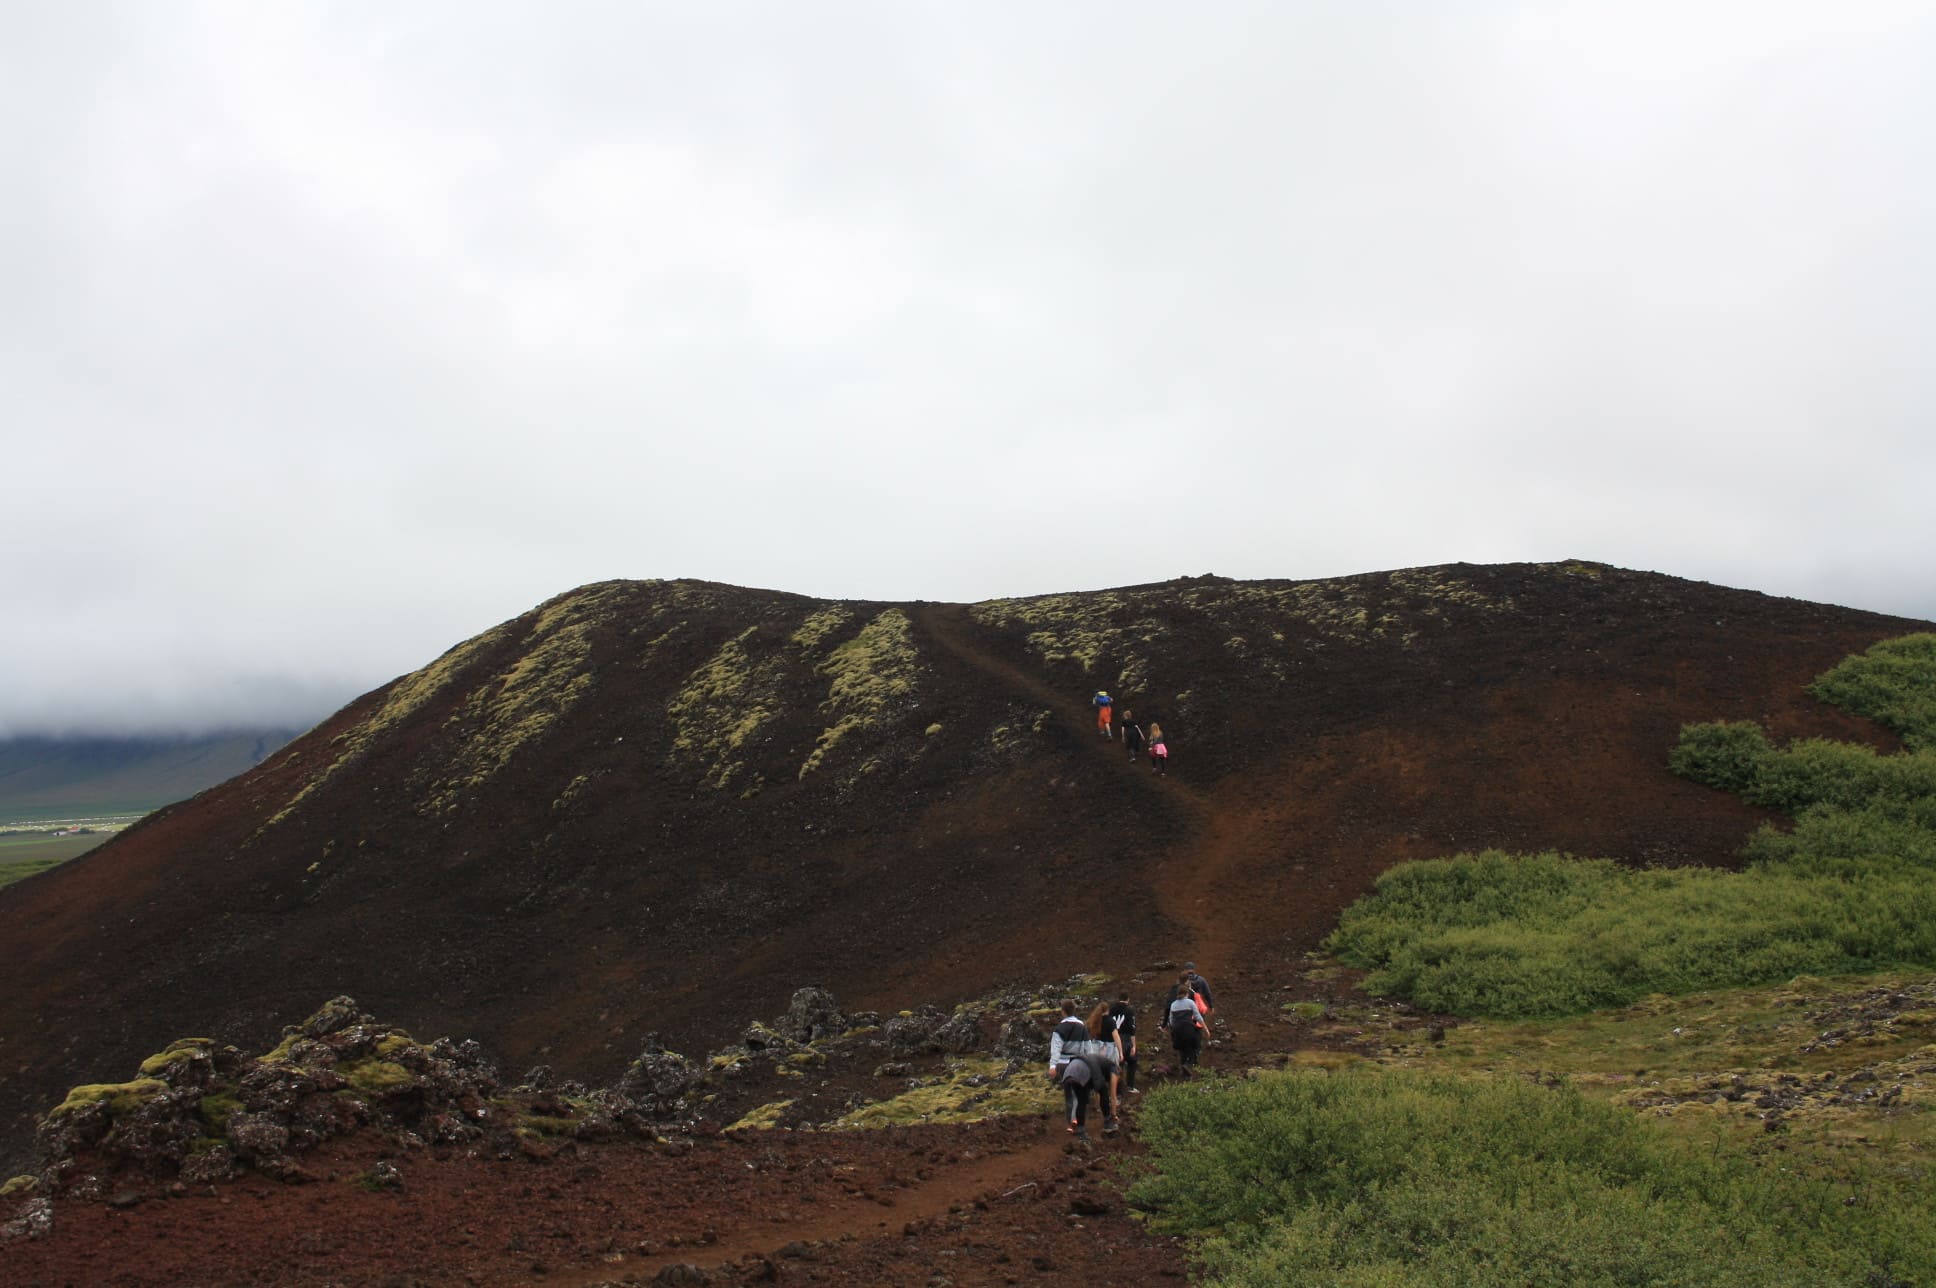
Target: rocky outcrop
<point>811,1015</point>
<point>657,1082</point>
<point>198,1112</point>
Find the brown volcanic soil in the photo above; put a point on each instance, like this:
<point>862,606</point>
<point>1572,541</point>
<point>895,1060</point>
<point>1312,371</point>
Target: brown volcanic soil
<point>1005,1201</point>
<point>594,821</point>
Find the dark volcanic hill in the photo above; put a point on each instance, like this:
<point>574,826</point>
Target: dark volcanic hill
<point>664,805</point>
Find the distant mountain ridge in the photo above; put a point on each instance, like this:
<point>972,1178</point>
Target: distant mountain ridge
<point>662,806</point>
<point>48,775</point>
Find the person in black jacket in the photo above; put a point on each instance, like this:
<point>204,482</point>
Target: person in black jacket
<point>1132,733</point>
<point>1205,998</point>
<point>1122,1017</point>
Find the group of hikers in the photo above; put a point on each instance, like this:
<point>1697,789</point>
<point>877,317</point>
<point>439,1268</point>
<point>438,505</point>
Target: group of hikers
<point>1098,1056</point>
<point>1133,737</point>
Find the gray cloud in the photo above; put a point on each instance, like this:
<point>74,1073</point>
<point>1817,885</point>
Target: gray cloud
<point>335,333</point>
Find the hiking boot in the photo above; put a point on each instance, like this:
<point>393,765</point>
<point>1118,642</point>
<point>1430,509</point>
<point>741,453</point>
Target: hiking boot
<point>1111,1127</point>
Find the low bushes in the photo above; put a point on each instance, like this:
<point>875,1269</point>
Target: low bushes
<point>1387,1178</point>
<point>1545,935</point>
<point>1847,889</point>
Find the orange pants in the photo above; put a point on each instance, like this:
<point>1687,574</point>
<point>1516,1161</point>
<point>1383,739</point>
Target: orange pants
<point>1102,718</point>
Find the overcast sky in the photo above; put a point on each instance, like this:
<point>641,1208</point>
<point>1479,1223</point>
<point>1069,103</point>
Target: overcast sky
<point>332,334</point>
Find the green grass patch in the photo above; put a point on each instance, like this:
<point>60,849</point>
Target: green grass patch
<point>1383,1177</point>
<point>1546,935</point>
<point>12,870</point>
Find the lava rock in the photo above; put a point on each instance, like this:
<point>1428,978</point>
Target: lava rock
<point>811,1014</point>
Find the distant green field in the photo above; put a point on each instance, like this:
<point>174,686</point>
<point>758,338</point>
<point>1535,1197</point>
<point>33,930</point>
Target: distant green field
<point>119,813</point>
<point>36,847</point>
<point>14,870</point>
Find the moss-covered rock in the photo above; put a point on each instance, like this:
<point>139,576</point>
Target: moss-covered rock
<point>766,1116</point>
<point>973,1088</point>
<point>379,1077</point>
<point>118,1098</point>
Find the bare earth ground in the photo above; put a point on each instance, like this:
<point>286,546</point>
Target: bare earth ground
<point>1006,1201</point>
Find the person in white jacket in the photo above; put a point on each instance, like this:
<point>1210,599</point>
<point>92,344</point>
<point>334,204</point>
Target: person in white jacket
<point>1067,1029</point>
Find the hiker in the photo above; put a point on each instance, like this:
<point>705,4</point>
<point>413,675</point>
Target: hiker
<point>1113,1058</point>
<point>1132,733</point>
<point>1122,1021</point>
<point>1206,1000</point>
<point>1159,750</point>
<point>1067,1029</point>
<point>1079,1078</point>
<point>1185,1023</point>
<point>1103,705</point>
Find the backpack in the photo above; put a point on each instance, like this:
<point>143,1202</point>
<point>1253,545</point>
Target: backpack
<point>1096,1053</point>
<point>1182,1018</point>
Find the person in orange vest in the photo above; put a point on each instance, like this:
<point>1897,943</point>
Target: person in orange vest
<point>1104,703</point>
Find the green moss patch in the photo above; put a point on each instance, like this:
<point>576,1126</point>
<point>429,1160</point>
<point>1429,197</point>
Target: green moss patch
<point>216,1110</point>
<point>974,1088</point>
<point>869,674</point>
<point>185,1049</point>
<point>378,1077</point>
<point>765,1117</point>
<point>121,1098</point>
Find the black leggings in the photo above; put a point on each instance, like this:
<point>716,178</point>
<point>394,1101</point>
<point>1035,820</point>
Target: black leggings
<point>1077,1098</point>
<point>1188,1047</point>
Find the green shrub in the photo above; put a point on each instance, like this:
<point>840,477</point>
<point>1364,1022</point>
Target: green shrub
<point>1727,755</point>
<point>1890,685</point>
<point>1546,935</point>
<point>1384,1177</point>
<point>1816,771</point>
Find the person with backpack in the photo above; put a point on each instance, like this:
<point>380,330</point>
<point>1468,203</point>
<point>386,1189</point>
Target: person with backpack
<point>1122,1019</point>
<point>1104,704</point>
<point>1067,1030</point>
<point>1112,1057</point>
<point>1079,1077</point>
<point>1159,750</point>
<point>1197,984</point>
<point>1132,733</point>
<point>1185,1023</point>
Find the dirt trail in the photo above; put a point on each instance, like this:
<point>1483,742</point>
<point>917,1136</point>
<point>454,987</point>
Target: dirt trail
<point>1194,888</point>
<point>949,626</point>
<point>989,1178</point>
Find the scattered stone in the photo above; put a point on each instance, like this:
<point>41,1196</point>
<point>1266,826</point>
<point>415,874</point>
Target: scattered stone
<point>1090,1205</point>
<point>681,1275</point>
<point>36,1221</point>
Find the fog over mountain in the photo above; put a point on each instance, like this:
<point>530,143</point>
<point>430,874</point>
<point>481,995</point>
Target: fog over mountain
<point>334,335</point>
